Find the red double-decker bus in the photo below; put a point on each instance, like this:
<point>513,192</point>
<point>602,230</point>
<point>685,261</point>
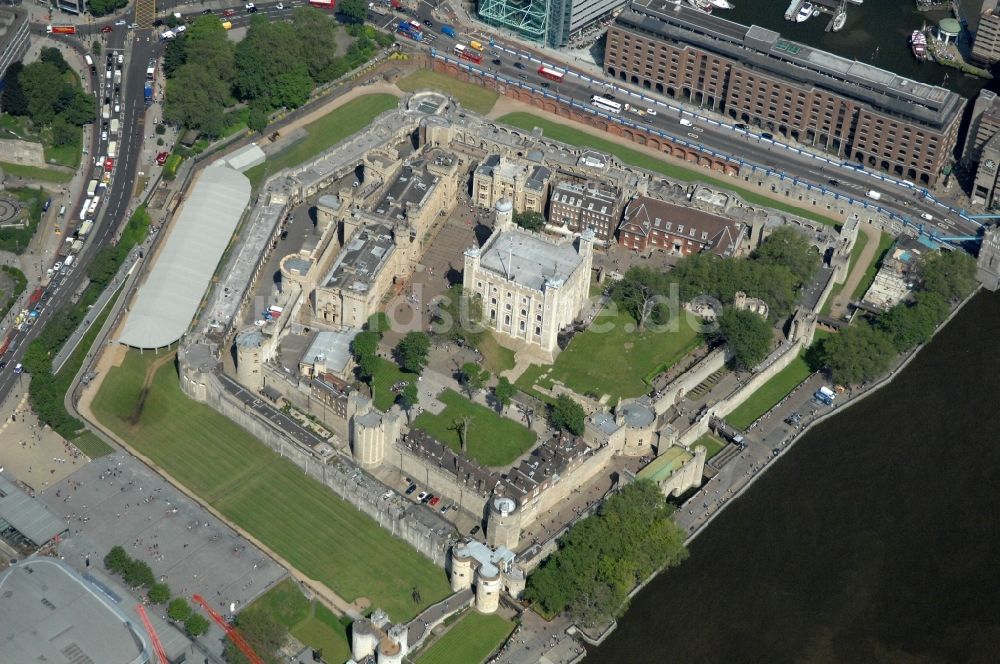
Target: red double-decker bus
<point>468,53</point>
<point>551,74</point>
<point>323,4</point>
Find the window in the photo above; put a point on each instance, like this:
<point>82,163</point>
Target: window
<point>521,326</point>
<point>506,320</point>
<point>507,306</point>
<point>538,330</point>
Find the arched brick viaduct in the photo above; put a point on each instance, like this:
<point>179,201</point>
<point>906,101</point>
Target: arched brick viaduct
<point>664,146</point>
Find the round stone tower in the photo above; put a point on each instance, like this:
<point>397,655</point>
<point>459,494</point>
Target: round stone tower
<point>488,588</point>
<point>368,439</point>
<point>505,213</point>
<point>250,358</point>
<point>461,569</point>
<point>503,523</point>
<point>363,639</point>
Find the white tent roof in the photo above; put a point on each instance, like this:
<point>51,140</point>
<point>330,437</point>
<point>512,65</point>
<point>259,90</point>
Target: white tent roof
<point>169,298</point>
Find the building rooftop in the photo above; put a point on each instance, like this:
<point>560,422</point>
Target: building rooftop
<point>169,297</point>
<point>413,184</point>
<point>664,465</point>
<point>545,465</point>
<point>49,614</point>
<point>331,349</point>
<point>490,560</point>
<point>537,178</point>
<point>645,215</point>
<point>362,258</point>
<point>529,260</point>
<point>767,50</point>
<point>638,414</point>
<point>26,515</point>
<point>585,195</point>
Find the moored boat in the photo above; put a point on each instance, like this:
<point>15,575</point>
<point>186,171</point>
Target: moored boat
<point>805,12</point>
<point>918,43</point>
<point>701,5</point>
<point>722,4</point>
<point>838,21</point>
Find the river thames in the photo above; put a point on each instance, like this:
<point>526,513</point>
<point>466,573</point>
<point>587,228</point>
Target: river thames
<point>874,539</point>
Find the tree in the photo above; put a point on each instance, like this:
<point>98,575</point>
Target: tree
<point>63,133</point>
<point>365,343</point>
<point>196,624</point>
<point>641,293</point>
<point>138,573</point>
<point>116,560</point>
<point>461,427</point>
<point>857,354</point>
<point>354,11</point>
<point>503,391</point>
<point>408,398</point>
<point>602,557</point>
<point>54,57</point>
<point>529,221</point>
<point>159,593</point>
<point>95,47</point>
<point>13,99</point>
<point>175,55</point>
<point>43,85</point>
<point>747,335</point>
<point>196,98</point>
<point>567,415</point>
<point>367,367</point>
<point>319,49</point>
<point>178,610</point>
<point>411,352</point>
<point>104,7</point>
<point>258,118</point>
<point>473,377</point>
<point>950,274</point>
<point>791,249</point>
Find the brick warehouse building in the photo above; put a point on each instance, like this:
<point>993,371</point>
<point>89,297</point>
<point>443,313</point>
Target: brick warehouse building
<point>754,76</point>
<point>650,222</point>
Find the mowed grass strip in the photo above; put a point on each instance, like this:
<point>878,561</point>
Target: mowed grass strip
<point>323,536</point>
<point>493,440</point>
<point>769,394</point>
<point>713,444</point>
<point>473,97</point>
<point>35,173</point>
<point>469,641</point>
<point>326,132</point>
<point>565,134</point>
<point>885,242</point>
<point>612,357</point>
<point>386,375</point>
<point>308,621</point>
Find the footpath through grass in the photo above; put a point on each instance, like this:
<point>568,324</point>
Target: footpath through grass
<point>493,440</point>
<point>476,99</point>
<point>859,246</point>
<point>611,357</point>
<point>565,134</point>
<point>469,641</point>
<point>885,242</point>
<point>769,394</point>
<point>324,537</point>
<point>326,132</point>
<point>308,621</point>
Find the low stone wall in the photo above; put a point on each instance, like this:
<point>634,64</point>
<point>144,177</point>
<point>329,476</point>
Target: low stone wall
<point>778,360</point>
<point>690,379</point>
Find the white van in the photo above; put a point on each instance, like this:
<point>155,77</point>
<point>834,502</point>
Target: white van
<point>84,208</point>
<point>686,123</point>
<point>874,195</point>
<point>113,149</point>
<point>114,127</point>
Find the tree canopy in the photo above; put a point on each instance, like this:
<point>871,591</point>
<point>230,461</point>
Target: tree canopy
<point>857,354</point>
<point>603,557</point>
<point>503,391</point>
<point>411,351</point>
<point>530,221</point>
<point>950,274</point>
<point>473,377</point>
<point>566,414</point>
<point>747,335</point>
<point>42,91</point>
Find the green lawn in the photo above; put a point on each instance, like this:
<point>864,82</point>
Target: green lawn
<point>469,641</point>
<point>713,444</point>
<point>476,99</point>
<point>566,134</point>
<point>618,361</point>
<point>321,535</point>
<point>88,443</point>
<point>493,440</point>
<point>326,132</point>
<point>308,621</point>
<point>859,246</point>
<point>35,173</point>
<point>884,244</point>
<point>387,375</point>
<point>496,358</point>
<point>769,394</point>
<point>17,127</point>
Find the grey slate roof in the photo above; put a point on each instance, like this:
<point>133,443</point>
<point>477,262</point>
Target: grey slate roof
<point>28,516</point>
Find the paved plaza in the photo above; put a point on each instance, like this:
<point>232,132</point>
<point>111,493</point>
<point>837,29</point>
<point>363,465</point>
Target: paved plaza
<point>117,500</point>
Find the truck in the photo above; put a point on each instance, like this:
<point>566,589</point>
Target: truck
<point>113,149</point>
<point>448,30</point>
<point>76,246</point>
<point>874,195</point>
<point>106,112</point>
<point>92,188</point>
<point>825,395</point>
<point>36,295</point>
<point>151,70</point>
<point>68,262</point>
<point>476,45</point>
<point>147,91</point>
<point>93,205</point>
<point>410,29</point>
<point>114,126</point>
<point>60,29</point>
<point>90,63</point>
<point>84,229</point>
<point>84,208</point>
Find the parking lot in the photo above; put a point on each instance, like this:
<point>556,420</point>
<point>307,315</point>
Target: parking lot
<point>116,500</point>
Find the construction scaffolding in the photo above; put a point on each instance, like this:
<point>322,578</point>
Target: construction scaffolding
<point>528,18</point>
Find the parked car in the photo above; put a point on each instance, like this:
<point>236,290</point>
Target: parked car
<point>106,29</point>
<point>410,489</point>
<point>121,22</point>
<point>434,501</point>
<point>422,496</point>
<point>519,65</point>
<point>475,529</point>
<point>161,158</point>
